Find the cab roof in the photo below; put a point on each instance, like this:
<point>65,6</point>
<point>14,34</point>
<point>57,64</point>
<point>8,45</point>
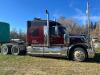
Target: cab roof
<point>39,22</point>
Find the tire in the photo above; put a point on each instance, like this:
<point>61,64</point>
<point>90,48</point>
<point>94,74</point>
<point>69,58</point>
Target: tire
<point>4,49</point>
<point>15,50</point>
<point>79,54</point>
<point>23,52</point>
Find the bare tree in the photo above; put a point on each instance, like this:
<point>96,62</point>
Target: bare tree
<point>96,31</point>
<point>14,34</point>
<point>22,35</point>
<point>71,25</point>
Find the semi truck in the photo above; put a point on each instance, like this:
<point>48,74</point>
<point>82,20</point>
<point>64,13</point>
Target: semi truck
<point>46,38</point>
<point>53,40</point>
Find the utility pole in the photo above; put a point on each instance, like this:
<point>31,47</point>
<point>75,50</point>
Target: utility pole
<point>99,29</point>
<point>47,14</point>
<point>88,16</point>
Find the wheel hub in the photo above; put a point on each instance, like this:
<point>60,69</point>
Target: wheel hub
<point>79,54</point>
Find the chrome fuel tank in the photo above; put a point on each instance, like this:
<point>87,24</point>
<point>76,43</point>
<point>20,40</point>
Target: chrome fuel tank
<point>60,51</point>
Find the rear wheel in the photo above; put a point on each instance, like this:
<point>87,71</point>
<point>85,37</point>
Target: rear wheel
<point>79,54</point>
<point>15,50</point>
<point>4,49</point>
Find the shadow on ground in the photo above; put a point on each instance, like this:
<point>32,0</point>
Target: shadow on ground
<point>96,59</point>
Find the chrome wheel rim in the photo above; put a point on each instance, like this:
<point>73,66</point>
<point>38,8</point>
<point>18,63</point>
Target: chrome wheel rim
<point>4,50</point>
<point>79,54</point>
<point>15,50</point>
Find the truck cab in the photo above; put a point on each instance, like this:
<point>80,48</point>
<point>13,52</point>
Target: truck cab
<point>37,33</point>
<point>52,40</point>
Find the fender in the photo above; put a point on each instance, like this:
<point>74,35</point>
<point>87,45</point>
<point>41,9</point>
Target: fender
<point>71,47</point>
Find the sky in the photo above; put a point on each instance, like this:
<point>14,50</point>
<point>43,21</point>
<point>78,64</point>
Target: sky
<point>18,12</point>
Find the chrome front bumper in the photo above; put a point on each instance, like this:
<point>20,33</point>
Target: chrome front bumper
<point>91,53</point>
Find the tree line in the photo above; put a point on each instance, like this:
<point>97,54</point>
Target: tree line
<point>14,34</point>
<point>72,27</point>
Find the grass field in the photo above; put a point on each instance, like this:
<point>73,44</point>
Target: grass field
<point>28,65</point>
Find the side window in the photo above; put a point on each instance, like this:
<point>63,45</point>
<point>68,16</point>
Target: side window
<point>57,31</point>
<point>35,32</point>
<point>61,31</point>
<point>52,31</point>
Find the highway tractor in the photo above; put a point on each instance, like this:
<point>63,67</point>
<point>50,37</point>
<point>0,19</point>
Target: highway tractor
<point>46,38</point>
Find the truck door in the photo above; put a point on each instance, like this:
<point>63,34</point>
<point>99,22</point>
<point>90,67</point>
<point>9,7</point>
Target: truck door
<point>56,35</point>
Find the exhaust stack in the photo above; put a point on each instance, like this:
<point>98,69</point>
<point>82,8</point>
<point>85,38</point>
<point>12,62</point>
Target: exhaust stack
<point>47,14</point>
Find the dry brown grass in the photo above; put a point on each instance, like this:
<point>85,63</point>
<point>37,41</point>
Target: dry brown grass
<point>28,65</point>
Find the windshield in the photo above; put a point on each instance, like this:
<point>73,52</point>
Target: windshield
<point>57,30</point>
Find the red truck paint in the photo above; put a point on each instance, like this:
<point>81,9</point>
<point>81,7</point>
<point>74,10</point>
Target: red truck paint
<point>39,38</point>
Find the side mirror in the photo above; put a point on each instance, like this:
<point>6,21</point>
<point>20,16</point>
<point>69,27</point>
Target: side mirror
<point>56,30</point>
<point>66,38</point>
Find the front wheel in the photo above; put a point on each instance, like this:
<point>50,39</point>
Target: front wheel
<point>79,54</point>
